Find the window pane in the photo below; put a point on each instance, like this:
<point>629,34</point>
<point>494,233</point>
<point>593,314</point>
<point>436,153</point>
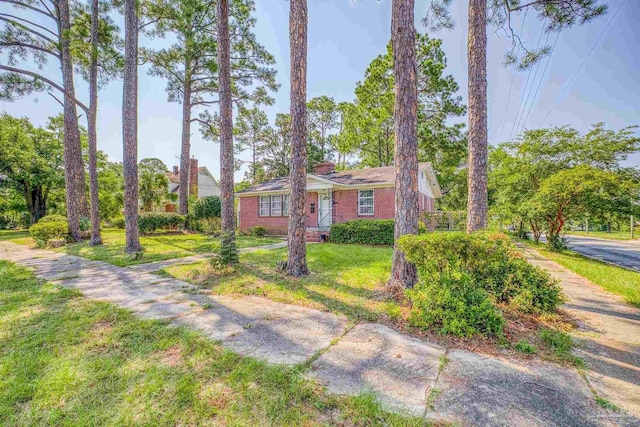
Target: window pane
<point>276,205</point>
<point>365,202</point>
<point>264,205</point>
<point>285,205</point>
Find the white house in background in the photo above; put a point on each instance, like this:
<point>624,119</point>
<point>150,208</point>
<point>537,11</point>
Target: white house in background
<point>201,183</point>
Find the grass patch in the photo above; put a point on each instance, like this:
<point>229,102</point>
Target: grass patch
<point>619,281</point>
<point>606,404</point>
<point>560,346</point>
<point>20,237</point>
<point>614,235</point>
<point>66,360</point>
<point>523,346</point>
<point>345,279</point>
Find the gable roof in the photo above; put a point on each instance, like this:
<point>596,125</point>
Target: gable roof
<point>382,176</point>
<point>175,178</point>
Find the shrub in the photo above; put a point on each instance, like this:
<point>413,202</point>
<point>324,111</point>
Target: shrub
<point>52,218</point>
<point>257,230</point>
<point>117,222</point>
<point>524,347</point>
<point>208,207</point>
<point>149,222</point>
<point>454,306</point>
<point>363,231</point>
<point>493,264</point>
<point>43,232</point>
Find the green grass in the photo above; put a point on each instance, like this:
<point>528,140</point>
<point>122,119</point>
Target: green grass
<point>619,281</point>
<point>614,235</point>
<point>66,360</point>
<point>345,279</point>
<point>560,345</point>
<point>157,247</point>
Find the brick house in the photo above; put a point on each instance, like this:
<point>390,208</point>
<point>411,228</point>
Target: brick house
<point>201,183</point>
<point>332,197</point>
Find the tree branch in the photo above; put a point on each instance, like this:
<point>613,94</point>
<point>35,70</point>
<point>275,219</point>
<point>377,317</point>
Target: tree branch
<point>46,80</point>
<point>28,6</point>
<point>9,17</point>
<point>30,46</point>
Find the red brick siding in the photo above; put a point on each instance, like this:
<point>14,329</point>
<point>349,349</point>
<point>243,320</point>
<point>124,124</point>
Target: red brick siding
<point>345,208</point>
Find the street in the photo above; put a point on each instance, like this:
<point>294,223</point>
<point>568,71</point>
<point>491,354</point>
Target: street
<point>620,252</point>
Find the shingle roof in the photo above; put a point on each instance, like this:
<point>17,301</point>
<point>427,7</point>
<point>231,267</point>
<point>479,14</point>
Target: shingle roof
<point>175,178</point>
<point>355,177</point>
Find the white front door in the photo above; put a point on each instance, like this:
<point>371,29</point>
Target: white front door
<point>324,210</point>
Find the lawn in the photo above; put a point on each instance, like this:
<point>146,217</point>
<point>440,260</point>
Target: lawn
<point>614,235</point>
<point>157,247</point>
<point>346,279</point>
<point>65,360</point>
<point>616,280</point>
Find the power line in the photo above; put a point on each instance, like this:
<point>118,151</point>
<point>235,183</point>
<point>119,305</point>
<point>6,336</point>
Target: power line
<point>513,74</point>
<point>540,82</point>
<point>525,86</point>
<point>566,86</point>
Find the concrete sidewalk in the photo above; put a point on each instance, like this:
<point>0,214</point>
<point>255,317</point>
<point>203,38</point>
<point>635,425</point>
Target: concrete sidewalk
<point>407,374</point>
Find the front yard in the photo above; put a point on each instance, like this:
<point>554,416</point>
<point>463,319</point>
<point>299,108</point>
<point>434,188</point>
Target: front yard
<point>67,360</point>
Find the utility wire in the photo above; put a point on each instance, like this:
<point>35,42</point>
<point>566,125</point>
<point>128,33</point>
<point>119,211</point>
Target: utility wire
<point>566,86</point>
<point>511,134</point>
<point>540,82</point>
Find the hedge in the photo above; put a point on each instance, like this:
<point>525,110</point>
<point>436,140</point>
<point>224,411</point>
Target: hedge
<point>43,232</point>
<point>363,231</point>
<point>149,222</point>
<point>52,218</point>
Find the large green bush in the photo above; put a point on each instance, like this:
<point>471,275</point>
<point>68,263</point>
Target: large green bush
<point>489,263</point>
<point>117,222</point>
<point>149,222</point>
<point>208,207</point>
<point>363,231</point>
<point>43,232</point>
<point>258,230</point>
<point>52,218</point>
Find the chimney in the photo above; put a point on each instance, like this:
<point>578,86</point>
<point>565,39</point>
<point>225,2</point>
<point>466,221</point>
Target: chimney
<point>175,170</point>
<point>193,177</point>
<point>324,167</point>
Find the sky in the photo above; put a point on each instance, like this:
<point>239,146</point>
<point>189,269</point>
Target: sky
<point>346,35</point>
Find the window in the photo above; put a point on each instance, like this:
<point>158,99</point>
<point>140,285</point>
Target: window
<point>285,205</point>
<point>264,205</point>
<point>276,205</point>
<point>365,202</point>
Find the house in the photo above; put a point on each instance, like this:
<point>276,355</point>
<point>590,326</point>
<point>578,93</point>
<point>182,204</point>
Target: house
<point>332,197</point>
<point>201,183</point>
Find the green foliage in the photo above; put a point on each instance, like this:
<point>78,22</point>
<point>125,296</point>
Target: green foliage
<point>43,232</point>
<point>118,222</point>
<point>492,262</point>
<point>208,207</point>
<point>52,218</point>
<point>561,346</point>
<point>454,305</point>
<point>363,231</point>
<point>228,250</point>
<point>523,346</point>
<point>257,230</point>
<point>148,222</point>
<point>153,184</point>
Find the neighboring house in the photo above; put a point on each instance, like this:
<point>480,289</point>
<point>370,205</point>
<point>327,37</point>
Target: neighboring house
<point>332,197</point>
<point>201,183</point>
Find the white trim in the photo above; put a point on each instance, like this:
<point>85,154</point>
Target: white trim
<point>373,202</point>
<point>260,206</point>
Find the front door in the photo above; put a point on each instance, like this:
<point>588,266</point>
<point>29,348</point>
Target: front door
<point>324,211</point>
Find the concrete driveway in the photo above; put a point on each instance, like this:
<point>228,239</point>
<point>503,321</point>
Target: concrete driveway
<point>621,252</point>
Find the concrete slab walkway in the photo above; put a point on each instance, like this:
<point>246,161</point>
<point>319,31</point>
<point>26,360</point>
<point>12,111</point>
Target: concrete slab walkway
<point>608,334</point>
<point>408,375</point>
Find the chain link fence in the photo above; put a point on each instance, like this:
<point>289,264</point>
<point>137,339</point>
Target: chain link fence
<point>445,221</point>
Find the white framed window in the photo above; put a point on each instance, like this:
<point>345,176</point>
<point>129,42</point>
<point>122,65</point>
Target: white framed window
<point>285,205</point>
<point>365,202</point>
<point>265,202</point>
<point>276,205</point>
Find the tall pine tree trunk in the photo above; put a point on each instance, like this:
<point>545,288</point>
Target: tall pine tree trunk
<point>405,110</point>
<point>74,176</point>
<point>477,57</point>
<point>185,169</point>
<point>228,251</point>
<point>130,126</point>
<point>297,263</point>
<point>93,133</point>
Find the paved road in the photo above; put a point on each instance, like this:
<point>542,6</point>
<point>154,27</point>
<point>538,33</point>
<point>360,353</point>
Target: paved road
<point>621,252</point>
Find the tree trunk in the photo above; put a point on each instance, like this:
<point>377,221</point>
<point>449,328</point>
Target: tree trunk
<point>477,163</point>
<point>74,176</point>
<point>297,262</point>
<point>228,252</point>
<point>183,196</point>
<point>403,273</point>
<point>36,202</point>
<point>93,134</point>
<point>130,127</point>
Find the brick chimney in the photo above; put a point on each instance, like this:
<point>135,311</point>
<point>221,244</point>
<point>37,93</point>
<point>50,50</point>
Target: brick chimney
<point>176,170</point>
<point>324,167</point>
<point>193,177</point>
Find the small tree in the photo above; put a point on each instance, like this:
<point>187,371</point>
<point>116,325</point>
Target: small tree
<point>153,183</point>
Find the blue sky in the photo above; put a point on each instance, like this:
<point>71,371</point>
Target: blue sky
<point>345,35</point>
